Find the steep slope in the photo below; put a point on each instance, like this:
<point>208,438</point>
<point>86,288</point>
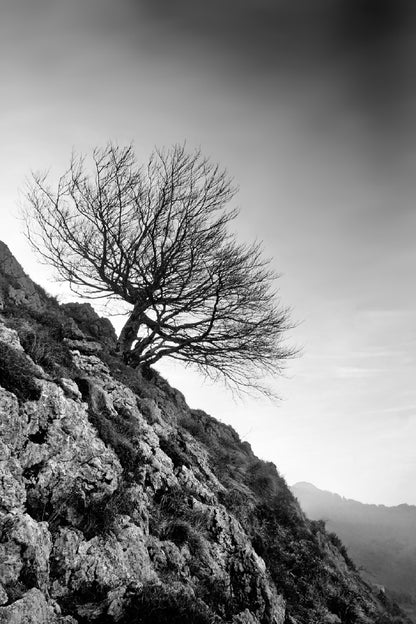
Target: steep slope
<point>380,539</point>
<point>118,503</point>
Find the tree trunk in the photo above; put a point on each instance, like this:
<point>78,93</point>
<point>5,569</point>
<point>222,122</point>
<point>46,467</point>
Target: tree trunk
<point>129,332</point>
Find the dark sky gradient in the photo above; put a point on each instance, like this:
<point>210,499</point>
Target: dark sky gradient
<point>361,49</point>
<point>311,106</point>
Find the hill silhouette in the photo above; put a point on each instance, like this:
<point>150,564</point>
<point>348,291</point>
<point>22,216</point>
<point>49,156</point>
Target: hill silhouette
<point>380,539</point>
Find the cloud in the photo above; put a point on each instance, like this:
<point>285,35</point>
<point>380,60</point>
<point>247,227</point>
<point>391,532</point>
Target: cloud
<point>356,372</point>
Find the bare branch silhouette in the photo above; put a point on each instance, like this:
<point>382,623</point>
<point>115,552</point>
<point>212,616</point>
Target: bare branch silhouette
<point>157,237</point>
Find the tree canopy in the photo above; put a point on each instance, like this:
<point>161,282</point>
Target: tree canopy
<point>158,238</point>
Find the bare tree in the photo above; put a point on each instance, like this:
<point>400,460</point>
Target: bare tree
<point>157,238</point>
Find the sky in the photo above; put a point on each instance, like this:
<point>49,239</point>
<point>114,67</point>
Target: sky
<point>310,106</point>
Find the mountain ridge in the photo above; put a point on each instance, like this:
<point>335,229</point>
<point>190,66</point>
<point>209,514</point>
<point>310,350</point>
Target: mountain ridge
<point>306,485</point>
<point>381,539</point>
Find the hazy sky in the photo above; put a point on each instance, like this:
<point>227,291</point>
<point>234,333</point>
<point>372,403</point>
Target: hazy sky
<point>311,107</point>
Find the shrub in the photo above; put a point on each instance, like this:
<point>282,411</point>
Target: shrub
<point>43,350</point>
<point>119,432</point>
<point>181,532</point>
<point>119,437</point>
<point>173,501</point>
<point>92,516</point>
<point>177,531</point>
<point>173,518</point>
<point>318,526</point>
<point>155,604</point>
<point>98,516</point>
<point>41,336</point>
<point>335,540</point>
<point>17,374</point>
<point>175,449</point>
<point>191,423</point>
<point>343,605</point>
<point>89,597</point>
<point>262,479</point>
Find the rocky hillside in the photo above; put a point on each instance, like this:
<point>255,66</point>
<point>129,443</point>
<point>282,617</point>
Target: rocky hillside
<point>118,503</point>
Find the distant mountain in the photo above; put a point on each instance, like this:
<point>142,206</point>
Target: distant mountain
<point>381,540</point>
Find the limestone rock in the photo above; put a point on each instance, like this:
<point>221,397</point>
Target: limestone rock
<point>3,595</point>
<point>245,617</point>
<point>13,423</point>
<point>84,346</point>
<point>111,562</point>
<point>20,289</point>
<point>90,323</point>
<point>26,547</point>
<point>70,388</point>
<point>12,487</point>
<point>91,365</point>
<point>331,618</point>
<point>33,608</point>
<point>10,337</point>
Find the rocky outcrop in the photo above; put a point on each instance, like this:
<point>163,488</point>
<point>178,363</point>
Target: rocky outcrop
<point>120,504</point>
<point>15,285</point>
<point>34,608</point>
<point>57,476</point>
<point>81,327</point>
<point>97,328</point>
